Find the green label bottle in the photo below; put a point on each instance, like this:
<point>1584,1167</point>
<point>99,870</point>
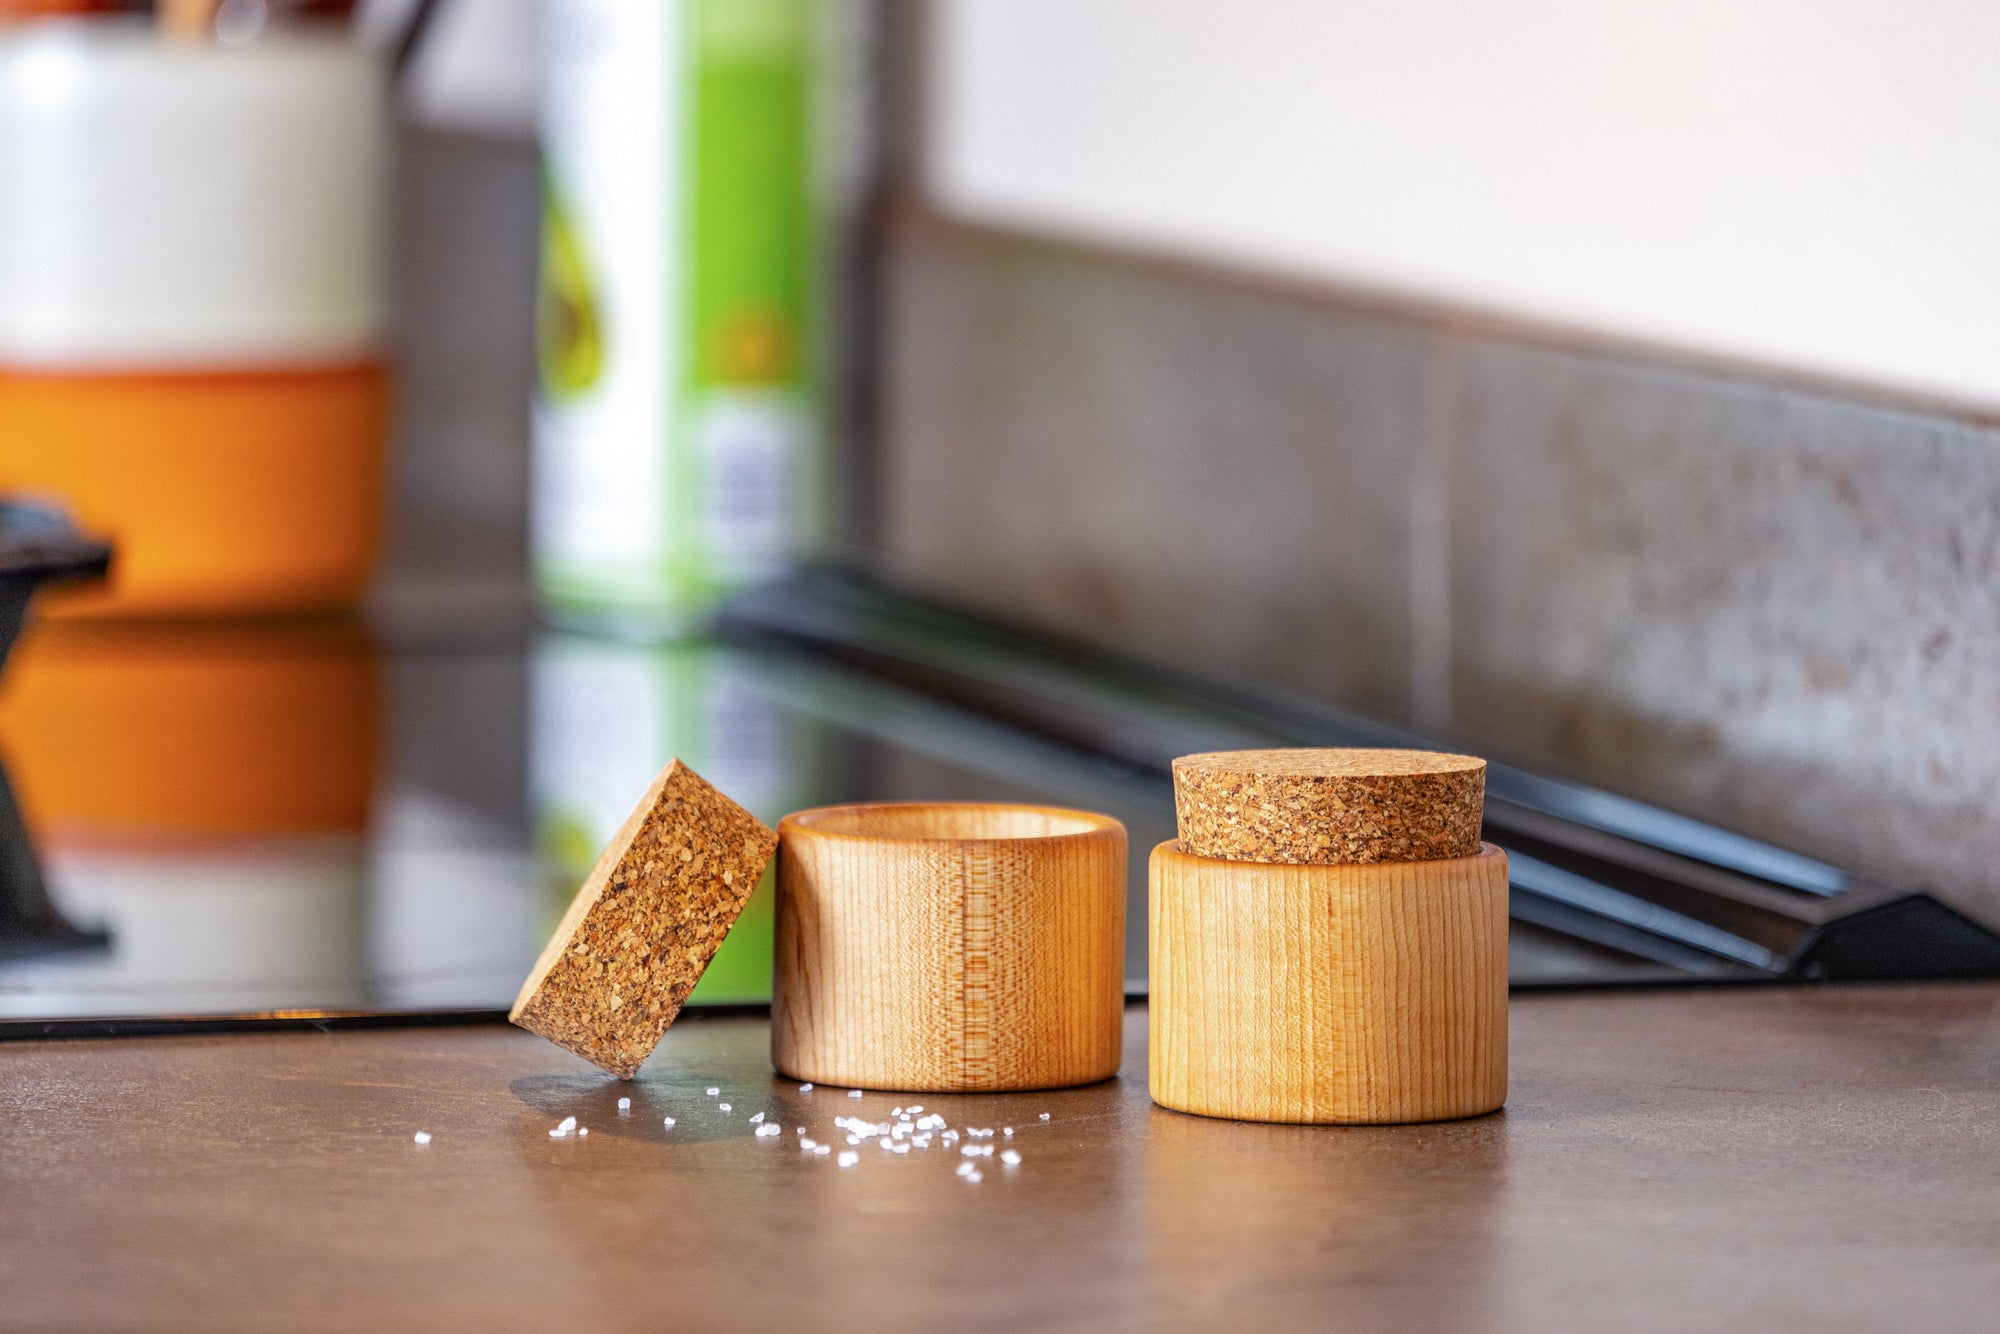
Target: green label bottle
<point>678,448</point>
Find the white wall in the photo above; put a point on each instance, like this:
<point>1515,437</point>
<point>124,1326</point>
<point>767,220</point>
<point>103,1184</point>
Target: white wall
<point>1806,184</point>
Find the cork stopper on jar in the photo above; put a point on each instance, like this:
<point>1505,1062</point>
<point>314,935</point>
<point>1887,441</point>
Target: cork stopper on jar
<point>1329,807</point>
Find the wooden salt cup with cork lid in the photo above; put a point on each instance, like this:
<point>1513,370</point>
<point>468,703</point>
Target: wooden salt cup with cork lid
<point>1329,940</point>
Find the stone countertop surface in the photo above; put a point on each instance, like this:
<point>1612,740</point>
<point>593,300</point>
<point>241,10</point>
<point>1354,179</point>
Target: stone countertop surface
<point>1764,1158</point>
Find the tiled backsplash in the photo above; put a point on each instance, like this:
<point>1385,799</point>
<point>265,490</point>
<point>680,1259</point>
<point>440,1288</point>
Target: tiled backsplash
<point>1769,606</point>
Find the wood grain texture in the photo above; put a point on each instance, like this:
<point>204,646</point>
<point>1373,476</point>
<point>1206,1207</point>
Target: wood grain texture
<point>1329,994</point>
<point>1329,806</point>
<point>949,946</point>
<point>647,920</point>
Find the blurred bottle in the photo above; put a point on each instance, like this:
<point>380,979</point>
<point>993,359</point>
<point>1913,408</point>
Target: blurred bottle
<point>678,448</point>
<point>192,307</point>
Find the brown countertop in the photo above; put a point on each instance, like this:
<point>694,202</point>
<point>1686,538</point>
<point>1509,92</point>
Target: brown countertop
<point>1768,1159</point>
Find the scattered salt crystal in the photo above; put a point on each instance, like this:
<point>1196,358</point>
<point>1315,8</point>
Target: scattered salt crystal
<point>974,1177</point>
<point>711,1091</point>
<point>757,1120</point>
<point>667,1121</point>
<point>1011,1158</point>
<point>970,1151</point>
<point>966,1169</point>
<point>423,1137</point>
<point>897,1112</point>
<point>1008,1131</point>
<point>581,1131</point>
<point>913,1110</point>
<point>854,1093</point>
<point>805,1088</point>
<point>823,1150</point>
<point>568,1124</point>
<point>1045,1116</point>
<point>853,1140</point>
<point>950,1135</point>
<point>808,1145</point>
<point>764,1132</point>
<point>848,1158</point>
<point>723,1107</point>
<point>897,1148</point>
<point>624,1104</point>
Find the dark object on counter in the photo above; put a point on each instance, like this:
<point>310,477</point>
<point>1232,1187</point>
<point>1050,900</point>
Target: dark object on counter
<point>38,546</point>
<point>1659,897</point>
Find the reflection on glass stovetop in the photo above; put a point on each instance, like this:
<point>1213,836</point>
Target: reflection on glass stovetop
<point>272,817</point>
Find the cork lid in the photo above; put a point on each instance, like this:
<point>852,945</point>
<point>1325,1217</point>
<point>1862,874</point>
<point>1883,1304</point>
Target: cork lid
<point>1329,807</point>
<point>641,930</point>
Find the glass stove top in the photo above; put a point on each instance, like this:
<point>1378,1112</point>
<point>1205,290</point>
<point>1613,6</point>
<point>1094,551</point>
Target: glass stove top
<point>290,819</point>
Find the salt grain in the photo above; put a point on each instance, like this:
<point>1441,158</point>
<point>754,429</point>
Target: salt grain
<point>724,1108</point>
<point>1008,1131</point>
<point>423,1137</point>
<point>1045,1116</point>
<point>757,1120</point>
<point>823,1150</point>
<point>1011,1158</point>
<point>974,1177</point>
<point>966,1169</point>
<point>765,1132</point>
<point>808,1145</point>
<point>667,1121</point>
<point>854,1093</point>
<point>582,1131</point>
<point>711,1092</point>
<point>624,1104</point>
<point>848,1158</point>
<point>805,1088</point>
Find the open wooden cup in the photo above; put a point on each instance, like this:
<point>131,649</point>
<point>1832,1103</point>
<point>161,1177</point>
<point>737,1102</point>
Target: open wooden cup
<point>949,946</point>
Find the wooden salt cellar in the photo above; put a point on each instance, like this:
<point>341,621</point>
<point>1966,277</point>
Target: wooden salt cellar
<point>947,946</point>
<point>1329,940</point>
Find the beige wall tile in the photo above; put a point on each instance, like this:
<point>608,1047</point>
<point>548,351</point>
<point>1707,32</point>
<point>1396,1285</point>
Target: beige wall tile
<point>1773,609</point>
<point>1212,475</point>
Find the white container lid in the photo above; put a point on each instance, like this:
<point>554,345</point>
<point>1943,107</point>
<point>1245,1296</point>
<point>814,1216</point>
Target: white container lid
<point>174,205</point>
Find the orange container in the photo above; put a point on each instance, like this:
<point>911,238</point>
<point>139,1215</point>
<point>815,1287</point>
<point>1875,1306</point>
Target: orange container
<point>193,308</point>
<point>223,493</point>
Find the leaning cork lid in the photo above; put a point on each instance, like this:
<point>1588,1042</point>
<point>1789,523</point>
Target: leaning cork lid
<point>1329,807</point>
